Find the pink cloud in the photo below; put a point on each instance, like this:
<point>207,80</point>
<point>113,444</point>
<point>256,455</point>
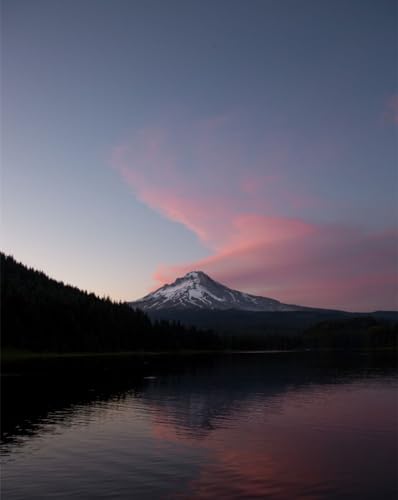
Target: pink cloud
<point>255,183</point>
<point>391,112</point>
<point>233,209</point>
<point>296,262</point>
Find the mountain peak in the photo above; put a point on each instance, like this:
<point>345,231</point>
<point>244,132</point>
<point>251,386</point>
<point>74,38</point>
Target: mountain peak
<point>194,274</point>
<point>198,276</point>
<point>196,290</point>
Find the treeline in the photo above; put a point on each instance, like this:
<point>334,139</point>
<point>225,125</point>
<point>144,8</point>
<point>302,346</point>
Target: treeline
<point>366,332</point>
<point>354,333</point>
<point>41,314</point>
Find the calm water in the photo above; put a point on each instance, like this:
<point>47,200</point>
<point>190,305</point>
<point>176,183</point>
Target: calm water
<point>238,426</point>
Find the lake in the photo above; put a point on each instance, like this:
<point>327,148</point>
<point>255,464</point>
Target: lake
<point>228,426</point>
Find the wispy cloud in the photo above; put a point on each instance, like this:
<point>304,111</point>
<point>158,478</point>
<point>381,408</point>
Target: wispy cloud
<point>325,266</point>
<point>203,178</point>
<point>390,114</point>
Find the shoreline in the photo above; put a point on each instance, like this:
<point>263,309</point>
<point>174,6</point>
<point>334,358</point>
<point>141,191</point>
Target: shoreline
<point>11,355</point>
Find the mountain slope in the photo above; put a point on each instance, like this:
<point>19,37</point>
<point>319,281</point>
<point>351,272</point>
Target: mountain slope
<point>197,291</point>
<point>43,315</point>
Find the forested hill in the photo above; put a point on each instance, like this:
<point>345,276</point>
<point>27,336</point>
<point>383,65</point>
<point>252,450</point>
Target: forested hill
<point>41,314</point>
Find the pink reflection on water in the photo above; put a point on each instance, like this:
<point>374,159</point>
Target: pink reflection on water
<point>304,444</point>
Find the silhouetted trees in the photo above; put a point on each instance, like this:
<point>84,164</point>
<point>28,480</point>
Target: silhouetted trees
<point>365,332</point>
<point>41,314</point>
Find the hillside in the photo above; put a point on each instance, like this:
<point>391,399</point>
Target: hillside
<point>41,314</point>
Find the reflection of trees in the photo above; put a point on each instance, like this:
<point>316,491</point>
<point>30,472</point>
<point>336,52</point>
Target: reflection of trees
<point>193,394</point>
<point>32,405</point>
<point>205,397</point>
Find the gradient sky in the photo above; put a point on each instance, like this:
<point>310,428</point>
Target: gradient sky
<point>255,140</point>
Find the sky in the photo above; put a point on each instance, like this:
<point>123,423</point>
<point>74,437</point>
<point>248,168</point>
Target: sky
<point>252,140</point>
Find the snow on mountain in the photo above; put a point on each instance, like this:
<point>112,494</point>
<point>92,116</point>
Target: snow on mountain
<point>196,290</point>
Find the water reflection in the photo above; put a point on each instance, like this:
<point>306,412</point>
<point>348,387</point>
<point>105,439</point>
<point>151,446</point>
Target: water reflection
<point>233,426</point>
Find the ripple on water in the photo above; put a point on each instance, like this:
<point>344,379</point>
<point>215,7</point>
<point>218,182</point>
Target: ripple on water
<point>237,430</point>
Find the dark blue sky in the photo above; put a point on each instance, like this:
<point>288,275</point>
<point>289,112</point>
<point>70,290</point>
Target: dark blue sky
<point>138,135</point>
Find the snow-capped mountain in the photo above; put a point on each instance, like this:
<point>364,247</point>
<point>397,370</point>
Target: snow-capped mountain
<point>196,291</point>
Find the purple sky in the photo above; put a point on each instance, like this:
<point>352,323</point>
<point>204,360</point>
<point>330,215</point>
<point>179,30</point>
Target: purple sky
<point>253,140</point>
